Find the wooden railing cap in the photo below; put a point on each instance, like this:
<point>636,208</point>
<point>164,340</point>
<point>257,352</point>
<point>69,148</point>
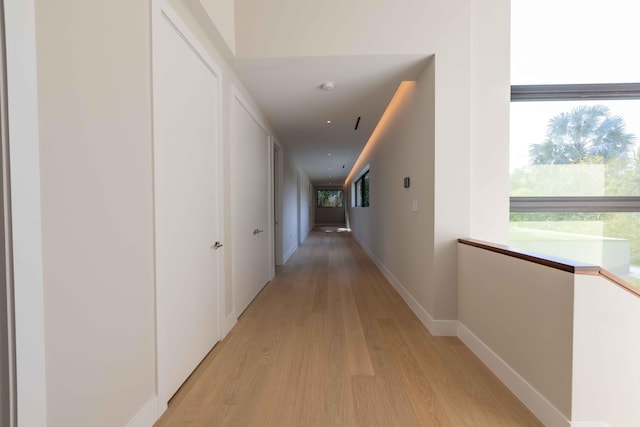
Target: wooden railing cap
<point>571,266</point>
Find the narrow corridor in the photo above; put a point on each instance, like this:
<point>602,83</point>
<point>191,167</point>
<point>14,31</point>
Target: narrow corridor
<point>329,342</point>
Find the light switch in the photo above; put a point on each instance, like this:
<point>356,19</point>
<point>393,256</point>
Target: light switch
<point>414,206</point>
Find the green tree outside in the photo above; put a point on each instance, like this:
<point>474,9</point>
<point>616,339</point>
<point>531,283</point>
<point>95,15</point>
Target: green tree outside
<point>586,152</point>
<point>330,198</point>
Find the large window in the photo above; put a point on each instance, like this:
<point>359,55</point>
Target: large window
<point>330,199</point>
<point>361,190</point>
<point>575,128</point>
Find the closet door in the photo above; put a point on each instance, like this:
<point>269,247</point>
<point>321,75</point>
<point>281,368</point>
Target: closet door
<point>252,261</point>
<point>186,92</point>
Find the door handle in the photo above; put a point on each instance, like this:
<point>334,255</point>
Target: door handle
<point>217,245</point>
<point>257,231</point>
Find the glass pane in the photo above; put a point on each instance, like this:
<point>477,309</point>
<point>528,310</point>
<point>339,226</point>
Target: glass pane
<point>330,198</point>
<point>365,190</point>
<point>575,148</point>
<point>610,240</point>
<point>574,41</point>
<point>359,192</point>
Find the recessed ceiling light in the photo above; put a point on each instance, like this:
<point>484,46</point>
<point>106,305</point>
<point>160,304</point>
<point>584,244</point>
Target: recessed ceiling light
<point>327,86</point>
<point>329,154</point>
<point>328,121</point>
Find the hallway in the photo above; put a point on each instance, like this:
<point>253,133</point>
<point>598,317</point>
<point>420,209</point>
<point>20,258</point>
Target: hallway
<point>330,343</point>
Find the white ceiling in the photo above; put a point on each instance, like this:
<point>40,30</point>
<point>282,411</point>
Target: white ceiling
<point>288,92</point>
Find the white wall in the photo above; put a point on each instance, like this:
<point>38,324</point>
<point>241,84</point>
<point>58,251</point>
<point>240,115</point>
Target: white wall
<point>400,240</point>
<point>289,207</point>
<point>523,313</point>
<point>606,372</point>
<point>222,14</point>
<point>490,99</point>
<point>97,222</point>
<point>305,219</point>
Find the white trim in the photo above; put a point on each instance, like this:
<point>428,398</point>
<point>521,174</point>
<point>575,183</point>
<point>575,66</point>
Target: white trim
<point>447,328</point>
<point>364,170</point>
<point>532,399</point>
<point>162,10</point>
<point>587,424</point>
<point>148,414</point>
<point>20,30</point>
<point>290,252</point>
<point>279,238</point>
<point>271,202</point>
<point>249,109</point>
<point>229,322</point>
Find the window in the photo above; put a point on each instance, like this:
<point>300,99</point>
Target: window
<point>362,191</point>
<point>330,199</point>
<point>575,132</point>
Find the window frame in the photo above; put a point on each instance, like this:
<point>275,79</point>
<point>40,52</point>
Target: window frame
<point>575,92</point>
<point>359,193</point>
<point>329,189</point>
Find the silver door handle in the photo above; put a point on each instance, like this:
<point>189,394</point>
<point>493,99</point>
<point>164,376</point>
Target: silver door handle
<point>257,231</point>
<point>217,245</point>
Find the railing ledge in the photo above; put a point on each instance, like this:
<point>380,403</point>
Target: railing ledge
<point>571,266</point>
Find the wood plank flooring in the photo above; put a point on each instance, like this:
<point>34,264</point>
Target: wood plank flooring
<point>330,343</point>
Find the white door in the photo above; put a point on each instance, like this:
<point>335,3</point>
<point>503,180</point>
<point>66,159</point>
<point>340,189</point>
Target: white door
<point>252,260</point>
<point>186,91</point>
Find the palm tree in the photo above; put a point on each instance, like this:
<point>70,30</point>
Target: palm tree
<point>586,134</point>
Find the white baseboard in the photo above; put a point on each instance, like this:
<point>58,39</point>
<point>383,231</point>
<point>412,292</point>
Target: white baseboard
<point>148,415</point>
<point>448,328</point>
<point>289,252</point>
<point>437,328</point>
<point>229,322</point>
<point>532,399</point>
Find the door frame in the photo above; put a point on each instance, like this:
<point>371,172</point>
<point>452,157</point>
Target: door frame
<point>7,332</point>
<point>277,200</point>
<point>161,9</point>
<point>26,223</point>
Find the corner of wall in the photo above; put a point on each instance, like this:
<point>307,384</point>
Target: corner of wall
<point>446,328</point>
<point>536,402</point>
<point>148,414</point>
<point>229,322</point>
<point>289,252</point>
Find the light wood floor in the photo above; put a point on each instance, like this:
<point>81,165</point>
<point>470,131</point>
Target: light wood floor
<point>330,343</point>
